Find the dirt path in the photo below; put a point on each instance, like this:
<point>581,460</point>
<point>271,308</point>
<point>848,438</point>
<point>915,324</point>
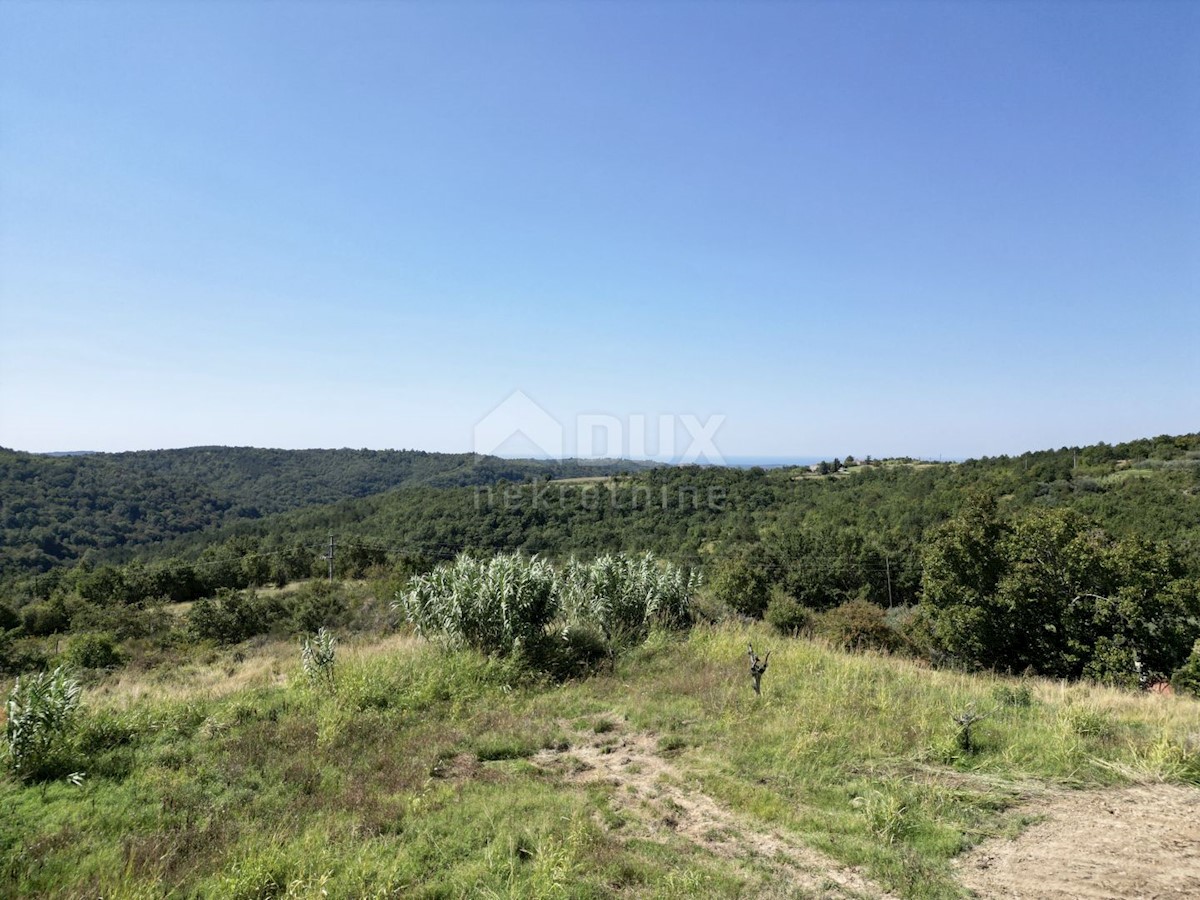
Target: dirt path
<point>660,803</point>
<point>1137,842</point>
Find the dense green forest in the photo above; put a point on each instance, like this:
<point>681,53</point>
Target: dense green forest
<point>828,538</point>
<point>59,509</point>
<point>1076,562</point>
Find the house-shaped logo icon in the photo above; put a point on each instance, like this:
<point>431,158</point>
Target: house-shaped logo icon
<point>519,427</point>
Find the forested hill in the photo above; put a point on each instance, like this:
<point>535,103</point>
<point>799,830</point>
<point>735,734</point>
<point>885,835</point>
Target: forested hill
<point>1074,562</point>
<point>859,530</point>
<point>825,538</point>
<point>53,509</point>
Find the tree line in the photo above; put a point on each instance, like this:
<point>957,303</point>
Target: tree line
<point>102,507</point>
<point>789,544</point>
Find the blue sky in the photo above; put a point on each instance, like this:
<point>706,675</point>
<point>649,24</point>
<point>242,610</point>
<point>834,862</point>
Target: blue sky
<point>924,228</point>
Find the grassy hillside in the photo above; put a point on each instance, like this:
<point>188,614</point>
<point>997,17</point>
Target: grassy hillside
<point>55,509</point>
<point>431,774</point>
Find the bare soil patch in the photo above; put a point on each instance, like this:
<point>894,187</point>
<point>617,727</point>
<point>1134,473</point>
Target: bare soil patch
<point>1136,842</point>
<point>660,804</point>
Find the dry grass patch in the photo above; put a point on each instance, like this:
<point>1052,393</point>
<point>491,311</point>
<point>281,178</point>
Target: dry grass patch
<point>218,673</point>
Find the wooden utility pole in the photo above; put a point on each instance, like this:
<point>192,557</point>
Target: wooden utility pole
<point>329,556</point>
<point>887,562</point>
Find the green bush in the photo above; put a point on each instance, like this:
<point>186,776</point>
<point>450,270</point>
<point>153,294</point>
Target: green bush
<point>741,584</point>
<point>496,606</point>
<point>40,714</point>
<point>857,625</point>
<point>318,604</point>
<point>507,606</point>
<point>1186,679</point>
<point>93,651</point>
<point>625,595</point>
<point>317,656</point>
<point>786,615</point>
<point>1019,697</point>
<point>707,608</point>
<point>1114,663</point>
<point>579,650</point>
<point>233,616</point>
<point>1051,592</point>
<point>41,619</point>
<point>122,622</point>
<point>18,654</point>
<point>8,618</point>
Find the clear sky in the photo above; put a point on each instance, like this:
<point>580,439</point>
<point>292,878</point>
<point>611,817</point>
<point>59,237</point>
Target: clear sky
<point>939,229</point>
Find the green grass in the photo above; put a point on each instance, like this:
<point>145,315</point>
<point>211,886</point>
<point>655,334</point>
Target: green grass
<point>1126,475</point>
<point>417,776</point>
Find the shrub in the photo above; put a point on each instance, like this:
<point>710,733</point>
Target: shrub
<point>963,738</point>
<point>210,620</point>
<point>1186,679</point>
<point>317,605</point>
<point>8,618</point>
<point>1114,663</point>
<point>19,654</point>
<point>580,649</point>
<point>625,595</point>
<point>93,651</point>
<point>40,710</point>
<point>1018,697</point>
<point>786,615</point>
<point>741,584</point>
<point>41,619</point>
<point>317,656</point>
<point>234,616</point>
<point>122,622</point>
<point>1053,593</point>
<point>857,625</point>
<point>707,608</point>
<point>496,606</point>
<point>506,605</point>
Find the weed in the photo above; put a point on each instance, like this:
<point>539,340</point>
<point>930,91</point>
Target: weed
<point>1018,697</point>
<point>317,657</point>
<point>965,720</point>
<point>671,742</point>
<point>1088,722</point>
<point>40,714</point>
<point>887,815</point>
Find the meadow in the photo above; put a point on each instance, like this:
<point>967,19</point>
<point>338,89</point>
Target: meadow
<point>427,772</point>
